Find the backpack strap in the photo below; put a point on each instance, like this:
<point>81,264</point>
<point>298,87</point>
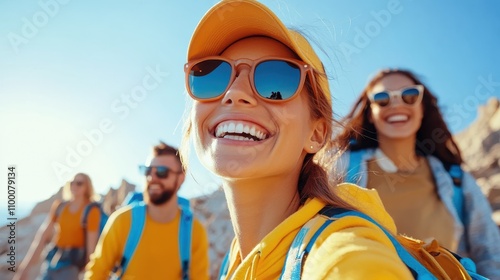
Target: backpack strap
<point>132,197</point>
<point>86,212</point>
<point>352,175</point>
<point>295,257</point>
<point>185,231</point>
<point>224,267</point>
<point>138,218</point>
<point>60,208</point>
<point>456,174</point>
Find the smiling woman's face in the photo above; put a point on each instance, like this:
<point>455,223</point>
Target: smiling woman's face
<point>396,120</point>
<point>279,131</point>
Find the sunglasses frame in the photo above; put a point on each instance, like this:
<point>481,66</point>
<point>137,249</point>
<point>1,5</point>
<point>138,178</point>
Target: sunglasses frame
<point>149,169</point>
<point>305,69</point>
<point>399,94</point>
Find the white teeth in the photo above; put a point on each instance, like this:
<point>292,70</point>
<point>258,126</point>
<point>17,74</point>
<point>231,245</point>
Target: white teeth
<point>228,129</point>
<point>397,118</point>
<point>239,128</point>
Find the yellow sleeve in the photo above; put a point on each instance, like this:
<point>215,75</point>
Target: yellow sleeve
<point>93,219</point>
<point>354,248</point>
<point>199,251</point>
<point>109,249</point>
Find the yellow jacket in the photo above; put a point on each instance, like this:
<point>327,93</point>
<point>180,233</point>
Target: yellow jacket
<point>157,254</point>
<point>349,248</point>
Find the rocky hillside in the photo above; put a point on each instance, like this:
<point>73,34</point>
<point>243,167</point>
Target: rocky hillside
<point>480,145</point>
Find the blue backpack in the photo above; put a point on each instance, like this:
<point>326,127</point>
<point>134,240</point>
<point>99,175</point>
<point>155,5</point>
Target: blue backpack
<point>454,170</point>
<point>135,199</point>
<point>301,246</point>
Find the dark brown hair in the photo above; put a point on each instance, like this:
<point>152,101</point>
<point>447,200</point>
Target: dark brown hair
<point>164,149</point>
<point>433,136</point>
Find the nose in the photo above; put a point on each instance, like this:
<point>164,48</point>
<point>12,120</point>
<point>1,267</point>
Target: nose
<point>240,91</point>
<point>395,101</point>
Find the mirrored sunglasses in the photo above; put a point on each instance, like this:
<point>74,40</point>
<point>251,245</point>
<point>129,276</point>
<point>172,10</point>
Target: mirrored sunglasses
<point>410,96</point>
<point>162,171</point>
<point>274,79</point>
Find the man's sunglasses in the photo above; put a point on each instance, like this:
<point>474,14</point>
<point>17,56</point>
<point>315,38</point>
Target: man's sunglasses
<point>410,95</point>
<point>162,171</point>
<point>273,79</point>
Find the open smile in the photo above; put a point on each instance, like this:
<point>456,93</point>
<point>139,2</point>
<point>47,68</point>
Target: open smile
<point>240,131</point>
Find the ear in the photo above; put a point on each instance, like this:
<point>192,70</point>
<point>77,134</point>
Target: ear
<point>180,180</point>
<point>317,137</point>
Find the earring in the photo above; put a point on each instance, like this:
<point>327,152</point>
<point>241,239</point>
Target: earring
<point>312,147</point>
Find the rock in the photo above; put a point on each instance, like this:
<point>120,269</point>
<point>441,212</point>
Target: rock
<point>480,148</point>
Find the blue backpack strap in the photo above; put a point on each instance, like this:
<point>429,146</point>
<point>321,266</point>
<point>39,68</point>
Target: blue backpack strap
<point>355,157</point>
<point>59,208</point>
<point>132,197</point>
<point>295,257</point>
<point>456,174</point>
<point>103,217</point>
<point>86,212</point>
<point>418,270</point>
<point>185,231</point>
<point>224,267</point>
<point>138,220</point>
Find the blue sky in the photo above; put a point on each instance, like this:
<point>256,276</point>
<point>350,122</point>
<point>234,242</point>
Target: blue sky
<point>68,70</point>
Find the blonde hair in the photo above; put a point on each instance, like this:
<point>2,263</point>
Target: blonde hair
<point>89,194</point>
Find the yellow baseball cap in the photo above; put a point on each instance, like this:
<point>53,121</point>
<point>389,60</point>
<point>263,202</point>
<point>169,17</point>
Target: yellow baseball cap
<point>231,20</point>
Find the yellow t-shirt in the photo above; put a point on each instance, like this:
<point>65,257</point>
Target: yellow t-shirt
<point>69,230</point>
<point>349,248</point>
<point>157,254</point>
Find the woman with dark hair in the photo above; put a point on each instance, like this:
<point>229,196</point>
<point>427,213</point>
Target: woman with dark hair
<point>71,244</point>
<point>398,143</point>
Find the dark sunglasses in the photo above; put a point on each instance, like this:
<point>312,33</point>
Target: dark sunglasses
<point>77,183</point>
<point>274,79</point>
<point>162,171</point>
<point>410,95</point>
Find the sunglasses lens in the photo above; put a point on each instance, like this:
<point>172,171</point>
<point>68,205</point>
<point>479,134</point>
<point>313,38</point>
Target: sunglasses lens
<point>410,95</point>
<point>162,172</point>
<point>277,79</point>
<point>382,98</point>
<point>209,78</point>
<point>144,170</point>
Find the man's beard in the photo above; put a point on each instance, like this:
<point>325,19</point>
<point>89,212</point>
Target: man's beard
<point>163,197</point>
